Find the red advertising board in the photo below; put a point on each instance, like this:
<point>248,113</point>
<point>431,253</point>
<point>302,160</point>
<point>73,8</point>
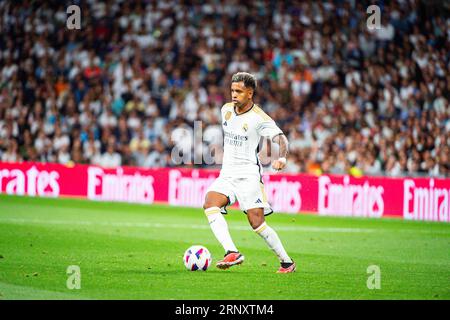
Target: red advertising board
<point>408,198</point>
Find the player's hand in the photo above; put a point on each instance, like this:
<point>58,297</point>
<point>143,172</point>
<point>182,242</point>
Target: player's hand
<point>279,164</point>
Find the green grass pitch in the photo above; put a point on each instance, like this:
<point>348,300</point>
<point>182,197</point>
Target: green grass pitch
<point>127,251</point>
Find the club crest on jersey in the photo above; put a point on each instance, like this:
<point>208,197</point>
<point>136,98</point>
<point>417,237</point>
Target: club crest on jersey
<point>245,127</point>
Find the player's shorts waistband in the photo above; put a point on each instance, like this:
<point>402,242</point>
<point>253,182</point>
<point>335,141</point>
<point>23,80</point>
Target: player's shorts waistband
<point>236,175</point>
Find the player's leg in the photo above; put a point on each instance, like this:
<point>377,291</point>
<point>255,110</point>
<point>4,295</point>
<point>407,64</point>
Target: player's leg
<point>257,221</point>
<point>213,202</point>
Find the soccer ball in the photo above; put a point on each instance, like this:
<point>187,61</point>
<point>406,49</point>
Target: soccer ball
<point>197,258</point>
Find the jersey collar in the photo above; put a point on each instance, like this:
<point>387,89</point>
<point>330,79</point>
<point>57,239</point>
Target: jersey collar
<point>240,114</point>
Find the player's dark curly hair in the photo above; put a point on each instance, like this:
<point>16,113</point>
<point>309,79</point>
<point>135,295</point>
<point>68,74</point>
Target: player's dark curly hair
<point>248,79</point>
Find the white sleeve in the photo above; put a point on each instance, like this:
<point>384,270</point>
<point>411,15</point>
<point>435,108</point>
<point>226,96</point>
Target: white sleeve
<point>268,129</point>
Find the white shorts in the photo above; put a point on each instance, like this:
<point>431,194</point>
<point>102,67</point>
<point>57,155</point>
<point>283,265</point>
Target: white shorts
<point>248,191</point>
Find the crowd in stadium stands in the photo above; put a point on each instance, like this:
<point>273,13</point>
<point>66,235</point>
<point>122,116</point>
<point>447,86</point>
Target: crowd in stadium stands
<point>129,86</point>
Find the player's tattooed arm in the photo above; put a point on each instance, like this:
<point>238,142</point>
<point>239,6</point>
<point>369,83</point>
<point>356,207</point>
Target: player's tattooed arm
<point>282,142</point>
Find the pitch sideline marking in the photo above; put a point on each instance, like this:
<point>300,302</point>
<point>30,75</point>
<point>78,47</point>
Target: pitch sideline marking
<point>176,226</point>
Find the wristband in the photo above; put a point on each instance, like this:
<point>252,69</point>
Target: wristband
<point>282,159</point>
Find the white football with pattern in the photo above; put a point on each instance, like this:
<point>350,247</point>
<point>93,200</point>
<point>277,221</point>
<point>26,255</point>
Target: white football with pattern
<point>197,258</point>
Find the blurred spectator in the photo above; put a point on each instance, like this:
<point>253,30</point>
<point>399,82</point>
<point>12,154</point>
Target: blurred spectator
<point>110,158</point>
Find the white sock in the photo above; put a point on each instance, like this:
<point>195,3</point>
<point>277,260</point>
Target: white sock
<point>273,241</point>
<point>219,227</point>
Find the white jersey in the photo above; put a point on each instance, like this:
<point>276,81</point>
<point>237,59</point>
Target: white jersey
<point>242,133</point>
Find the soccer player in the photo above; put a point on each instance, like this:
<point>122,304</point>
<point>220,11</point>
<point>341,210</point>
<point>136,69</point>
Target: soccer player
<point>244,123</point>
